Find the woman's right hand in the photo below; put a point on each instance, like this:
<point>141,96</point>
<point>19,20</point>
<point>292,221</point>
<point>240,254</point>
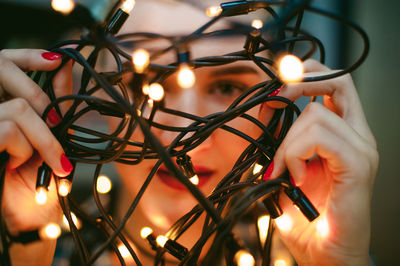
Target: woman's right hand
<point>29,141</point>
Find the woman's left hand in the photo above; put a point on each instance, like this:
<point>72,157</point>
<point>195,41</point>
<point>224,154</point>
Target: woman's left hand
<point>332,156</point>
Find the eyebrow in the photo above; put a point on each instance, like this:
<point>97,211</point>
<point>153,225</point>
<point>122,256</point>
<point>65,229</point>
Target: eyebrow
<point>234,70</point>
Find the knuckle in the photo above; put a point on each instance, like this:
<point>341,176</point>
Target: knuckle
<point>9,129</point>
<point>20,106</point>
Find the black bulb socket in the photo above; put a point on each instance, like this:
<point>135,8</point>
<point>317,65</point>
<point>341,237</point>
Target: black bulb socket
<point>116,22</point>
<point>302,202</point>
<point>272,206</point>
<point>43,176</point>
<point>176,249</point>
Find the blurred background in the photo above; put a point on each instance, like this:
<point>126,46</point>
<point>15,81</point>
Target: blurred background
<point>32,24</point>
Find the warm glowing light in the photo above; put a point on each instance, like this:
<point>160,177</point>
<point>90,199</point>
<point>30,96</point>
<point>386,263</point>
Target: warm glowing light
<point>280,262</point>
<point>50,231</point>
<point>257,24</point>
<point>194,179</point>
<point>123,250</point>
<point>322,227</point>
<point>291,68</point>
<point>150,102</point>
<point>103,184</point>
<point>257,169</point>
<point>186,76</point>
<point>263,224</point>
<point>64,187</point>
<point>41,195</point>
<point>161,240</point>
<point>244,258</point>
<point>128,5</point>
<point>75,220</point>
<point>145,232</point>
<point>146,89</point>
<point>156,92</point>
<point>63,6</point>
<point>140,60</point>
<point>213,11</point>
<point>284,223</point>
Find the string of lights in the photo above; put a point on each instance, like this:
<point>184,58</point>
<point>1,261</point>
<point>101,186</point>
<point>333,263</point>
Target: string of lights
<point>269,45</point>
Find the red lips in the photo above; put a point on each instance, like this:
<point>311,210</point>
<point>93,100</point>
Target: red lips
<point>202,172</point>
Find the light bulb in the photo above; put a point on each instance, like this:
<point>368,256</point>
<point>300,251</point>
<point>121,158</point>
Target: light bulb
<point>50,231</point>
<point>75,220</point>
<point>145,232</point>
<point>263,224</point>
<point>128,5</point>
<point>322,227</point>
<point>194,179</point>
<point>257,24</point>
<point>213,11</point>
<point>64,187</point>
<point>63,6</point>
<point>257,168</point>
<point>103,184</point>
<point>280,262</point>
<point>156,92</point>
<point>41,195</point>
<point>140,60</point>
<point>290,69</point>
<point>161,240</point>
<point>145,89</point>
<point>186,76</point>
<point>284,223</point>
<point>123,250</point>
<point>244,258</point>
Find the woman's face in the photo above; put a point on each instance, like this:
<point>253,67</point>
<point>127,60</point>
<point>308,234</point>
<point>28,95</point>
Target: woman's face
<point>165,200</point>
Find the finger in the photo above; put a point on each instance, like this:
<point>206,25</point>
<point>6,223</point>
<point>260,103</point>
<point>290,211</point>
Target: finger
<point>62,83</point>
<point>14,142</point>
<point>37,133</point>
<point>32,59</point>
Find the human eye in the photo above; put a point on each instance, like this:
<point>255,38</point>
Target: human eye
<point>227,88</point>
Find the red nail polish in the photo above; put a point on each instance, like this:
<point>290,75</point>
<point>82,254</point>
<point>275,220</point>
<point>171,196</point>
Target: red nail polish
<point>50,56</point>
<point>292,180</point>
<point>269,170</point>
<point>53,117</point>
<point>275,92</point>
<point>66,164</point>
<point>9,168</point>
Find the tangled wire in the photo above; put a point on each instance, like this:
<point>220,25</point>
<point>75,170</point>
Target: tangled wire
<point>238,191</point>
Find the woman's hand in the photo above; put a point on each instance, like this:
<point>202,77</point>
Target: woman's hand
<point>29,141</point>
<point>332,156</point>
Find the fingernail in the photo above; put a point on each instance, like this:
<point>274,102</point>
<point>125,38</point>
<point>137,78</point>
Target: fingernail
<point>268,172</point>
<point>66,164</point>
<point>53,117</point>
<point>50,56</point>
<point>292,180</point>
<point>275,92</point>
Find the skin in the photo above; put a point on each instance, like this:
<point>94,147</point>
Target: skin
<point>334,138</point>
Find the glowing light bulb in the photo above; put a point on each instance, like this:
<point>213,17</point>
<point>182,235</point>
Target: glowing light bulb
<point>186,76</point>
<point>257,24</point>
<point>103,184</point>
<point>41,195</point>
<point>146,89</point>
<point>280,262</point>
<point>244,258</point>
<point>284,223</point>
<point>156,92</point>
<point>128,5</point>
<point>140,60</point>
<point>50,231</point>
<point>213,11</point>
<point>263,224</point>
<point>75,220</point>
<point>257,169</point>
<point>63,6</point>
<point>291,69</point>
<point>145,232</point>
<point>161,240</point>
<point>64,187</point>
<point>322,227</point>
<point>123,250</point>
<point>194,179</point>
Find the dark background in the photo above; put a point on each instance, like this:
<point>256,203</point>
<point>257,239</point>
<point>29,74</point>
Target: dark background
<point>31,23</point>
